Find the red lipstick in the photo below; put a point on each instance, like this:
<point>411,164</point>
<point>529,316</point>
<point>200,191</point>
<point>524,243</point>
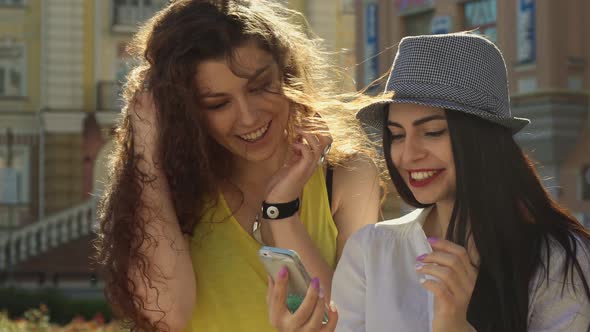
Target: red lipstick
<point>426,181</point>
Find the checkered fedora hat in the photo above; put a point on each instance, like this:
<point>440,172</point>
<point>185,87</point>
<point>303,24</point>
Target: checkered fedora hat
<point>459,71</point>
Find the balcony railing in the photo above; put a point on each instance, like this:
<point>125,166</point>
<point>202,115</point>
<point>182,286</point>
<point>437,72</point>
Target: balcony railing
<point>14,215</point>
<point>38,237</point>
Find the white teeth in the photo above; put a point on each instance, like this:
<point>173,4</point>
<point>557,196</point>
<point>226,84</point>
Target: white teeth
<point>421,175</point>
<point>253,136</point>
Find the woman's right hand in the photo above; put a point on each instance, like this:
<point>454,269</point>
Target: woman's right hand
<point>310,314</point>
<point>309,149</point>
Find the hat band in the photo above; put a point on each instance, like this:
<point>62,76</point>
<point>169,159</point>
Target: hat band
<point>454,94</point>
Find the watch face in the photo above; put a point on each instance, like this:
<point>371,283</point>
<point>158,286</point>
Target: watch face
<point>272,212</point>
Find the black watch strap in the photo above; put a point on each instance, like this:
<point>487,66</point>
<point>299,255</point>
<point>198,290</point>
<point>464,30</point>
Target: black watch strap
<point>274,211</point>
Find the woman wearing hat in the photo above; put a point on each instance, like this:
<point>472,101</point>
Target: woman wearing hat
<point>487,248</point>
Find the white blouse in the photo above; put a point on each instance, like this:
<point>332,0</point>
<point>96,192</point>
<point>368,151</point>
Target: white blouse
<point>376,286</point>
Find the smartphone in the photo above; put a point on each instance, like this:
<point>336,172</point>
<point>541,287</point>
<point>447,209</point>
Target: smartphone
<point>274,259</point>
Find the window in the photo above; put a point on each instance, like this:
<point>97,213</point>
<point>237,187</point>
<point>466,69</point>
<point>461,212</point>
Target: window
<point>348,6</point>
<point>404,7</point>
<point>12,70</point>
<point>585,175</point>
<point>129,13</point>
<point>480,15</point>
<point>12,2</point>
<point>525,32</point>
<point>418,24</point>
<point>14,178</point>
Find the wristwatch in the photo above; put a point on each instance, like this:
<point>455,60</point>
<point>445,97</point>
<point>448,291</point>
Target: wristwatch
<point>275,211</point>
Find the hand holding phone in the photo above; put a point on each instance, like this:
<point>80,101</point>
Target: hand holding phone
<point>288,284</point>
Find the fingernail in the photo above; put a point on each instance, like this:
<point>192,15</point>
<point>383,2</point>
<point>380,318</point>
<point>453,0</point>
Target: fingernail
<point>419,265</point>
<point>333,307</point>
<point>422,280</point>
<point>432,240</point>
<point>421,257</point>
<point>283,272</point>
<point>322,293</point>
<point>315,283</point>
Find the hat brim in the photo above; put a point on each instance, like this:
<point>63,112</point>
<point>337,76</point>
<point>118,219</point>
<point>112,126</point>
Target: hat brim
<point>372,115</point>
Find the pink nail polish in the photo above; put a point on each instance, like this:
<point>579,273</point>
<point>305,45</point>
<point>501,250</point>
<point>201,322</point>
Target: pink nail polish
<point>315,283</point>
<point>419,265</point>
<point>321,293</point>
<point>421,257</point>
<point>283,272</point>
<point>432,240</point>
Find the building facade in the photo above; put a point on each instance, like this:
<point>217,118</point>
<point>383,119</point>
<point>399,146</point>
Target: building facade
<point>334,21</point>
<point>62,64</point>
<point>547,55</point>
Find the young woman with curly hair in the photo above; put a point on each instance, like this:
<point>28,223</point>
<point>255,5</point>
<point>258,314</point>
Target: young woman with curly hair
<point>230,107</point>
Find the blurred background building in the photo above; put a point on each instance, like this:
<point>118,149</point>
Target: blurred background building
<point>62,63</point>
<point>334,22</point>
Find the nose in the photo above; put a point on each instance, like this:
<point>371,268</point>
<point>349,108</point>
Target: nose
<point>413,150</point>
<point>248,114</point>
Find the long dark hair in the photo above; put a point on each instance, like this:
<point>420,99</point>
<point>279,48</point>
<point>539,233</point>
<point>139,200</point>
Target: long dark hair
<point>502,204</point>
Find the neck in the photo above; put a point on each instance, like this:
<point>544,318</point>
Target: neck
<point>256,174</point>
<point>439,218</point>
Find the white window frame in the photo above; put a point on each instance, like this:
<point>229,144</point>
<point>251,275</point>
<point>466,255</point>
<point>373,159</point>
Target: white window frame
<point>21,66</point>
<point>24,171</point>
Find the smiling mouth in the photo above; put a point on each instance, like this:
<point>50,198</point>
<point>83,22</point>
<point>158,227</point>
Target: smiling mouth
<point>421,178</point>
<point>256,134</point>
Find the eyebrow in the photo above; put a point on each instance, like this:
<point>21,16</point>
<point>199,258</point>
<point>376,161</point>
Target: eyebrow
<point>255,75</point>
<point>419,121</point>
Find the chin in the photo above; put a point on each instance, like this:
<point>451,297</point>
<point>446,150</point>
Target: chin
<point>257,157</point>
<point>425,201</point>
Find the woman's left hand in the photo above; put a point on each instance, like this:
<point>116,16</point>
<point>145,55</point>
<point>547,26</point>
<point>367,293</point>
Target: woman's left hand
<point>455,278</point>
<point>310,314</point>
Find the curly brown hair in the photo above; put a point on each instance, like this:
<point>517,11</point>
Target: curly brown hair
<point>167,50</point>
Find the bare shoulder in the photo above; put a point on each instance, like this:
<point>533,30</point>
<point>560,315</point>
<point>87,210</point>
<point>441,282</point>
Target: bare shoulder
<point>356,181</point>
<point>356,170</point>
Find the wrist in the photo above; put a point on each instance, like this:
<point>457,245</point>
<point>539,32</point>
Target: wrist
<point>276,210</point>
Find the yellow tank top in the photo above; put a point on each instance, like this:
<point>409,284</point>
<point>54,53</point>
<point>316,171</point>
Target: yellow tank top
<point>231,281</point>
